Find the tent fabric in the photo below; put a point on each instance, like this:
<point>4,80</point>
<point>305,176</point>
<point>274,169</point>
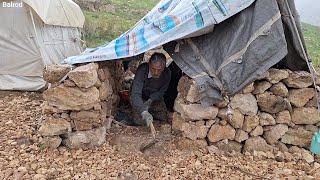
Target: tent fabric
<point>58,12</point>
<point>27,45</point>
<point>236,53</point>
<point>169,20</point>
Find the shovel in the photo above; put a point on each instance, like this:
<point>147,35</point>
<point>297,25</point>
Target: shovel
<point>143,148</point>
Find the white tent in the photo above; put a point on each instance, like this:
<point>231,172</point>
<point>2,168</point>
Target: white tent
<point>33,34</point>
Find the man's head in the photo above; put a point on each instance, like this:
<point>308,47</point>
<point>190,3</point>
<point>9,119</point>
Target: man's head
<point>157,63</point>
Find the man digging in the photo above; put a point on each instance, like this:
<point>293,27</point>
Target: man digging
<point>148,88</point>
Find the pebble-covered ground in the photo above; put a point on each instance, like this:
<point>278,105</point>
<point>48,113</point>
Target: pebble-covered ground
<point>23,157</point>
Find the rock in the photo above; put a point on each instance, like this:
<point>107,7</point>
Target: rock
<point>222,104</point>
<point>71,98</point>
<point>241,135</point>
<point>270,103</point>
<point>311,128</point>
<point>223,122</point>
<point>283,117</point>
<point>51,142</point>
<point>258,131</point>
<point>312,102</point>
<point>194,132</point>
<point>266,119</point>
<point>190,145</point>
<point>209,123</point>
<point>195,111</point>
<point>48,110</point>
<point>264,76</point>
<point>84,76</point>
<point>256,144</point>
<point>177,122</point>
<point>248,89</point>
<point>300,97</point>
<point>214,150</point>
<point>282,147</point>
<point>250,123</point>
<point>229,146</point>
<point>98,83</point>
<point>52,127</point>
<point>300,79</point>
<point>261,87</point>
<point>237,119</point>
<point>85,139</point>
<point>54,73</point>
<point>305,116</point>
<point>307,156</point>
<point>105,91</point>
<point>298,137</point>
<point>276,75</point>
<point>276,132</point>
<point>218,133</point>
<point>280,89</point>
<point>200,123</point>
<point>85,120</point>
<point>101,75</point>
<point>246,103</point>
<point>188,89</point>
<point>69,83</point>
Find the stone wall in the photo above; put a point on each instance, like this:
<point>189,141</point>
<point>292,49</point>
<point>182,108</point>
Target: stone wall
<point>275,112</point>
<point>78,110</point>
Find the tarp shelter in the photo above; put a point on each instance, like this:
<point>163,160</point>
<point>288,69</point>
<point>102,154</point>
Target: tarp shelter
<point>35,33</point>
<point>223,44</point>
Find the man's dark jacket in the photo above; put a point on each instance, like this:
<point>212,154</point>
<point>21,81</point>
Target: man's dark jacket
<point>144,88</point>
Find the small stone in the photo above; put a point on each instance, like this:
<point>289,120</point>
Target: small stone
<point>258,131</point>
<point>312,128</point>
<point>52,127</point>
<point>276,132</point>
<point>280,89</point>
<point>223,122</point>
<point>256,144</point>
<point>101,75</point>
<point>272,104</point>
<point>312,102</point>
<point>266,119</point>
<point>54,73</point>
<point>261,87</point>
<point>200,123</point>
<point>214,150</point>
<point>306,155</point>
<point>250,123</point>
<point>300,79</point>
<point>241,135</point>
<point>209,123</point>
<point>218,133</point>
<point>229,146</point>
<point>105,91</point>
<point>282,147</point>
<point>283,117</point>
<point>195,111</point>
<point>237,118</point>
<point>246,103</point>
<point>194,132</point>
<point>299,137</point>
<point>48,110</point>
<point>305,116</point>
<point>177,122</point>
<point>84,76</point>
<point>248,89</point>
<point>52,142</point>
<point>276,75</point>
<point>300,97</point>
<point>69,83</point>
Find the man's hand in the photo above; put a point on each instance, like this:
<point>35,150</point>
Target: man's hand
<point>147,117</point>
<point>148,103</point>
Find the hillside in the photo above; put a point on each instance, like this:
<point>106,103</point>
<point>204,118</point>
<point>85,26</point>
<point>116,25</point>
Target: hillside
<point>117,16</point>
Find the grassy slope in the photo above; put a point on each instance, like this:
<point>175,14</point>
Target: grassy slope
<point>102,26</point>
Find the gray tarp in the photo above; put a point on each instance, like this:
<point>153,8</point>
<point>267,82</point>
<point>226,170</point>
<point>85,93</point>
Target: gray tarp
<point>236,53</point>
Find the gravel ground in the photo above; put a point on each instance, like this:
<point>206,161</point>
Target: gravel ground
<point>23,157</point>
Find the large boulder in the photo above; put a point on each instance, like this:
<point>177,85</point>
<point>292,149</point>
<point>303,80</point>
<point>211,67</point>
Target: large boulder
<point>275,133</point>
<point>298,137</point>
<point>85,139</point>
<point>71,98</point>
<point>53,127</point>
<point>256,144</point>
<point>261,87</point>
<point>266,119</point>
<point>305,116</point>
<point>219,132</point>
<point>195,111</point>
<point>85,120</point>
<point>250,123</point>
<point>300,97</point>
<point>271,103</point>
<point>246,103</point>
<point>300,79</point>
<point>193,131</point>
<point>54,73</point>
<point>85,76</point>
<point>280,89</point>
<point>276,75</point>
<point>237,118</point>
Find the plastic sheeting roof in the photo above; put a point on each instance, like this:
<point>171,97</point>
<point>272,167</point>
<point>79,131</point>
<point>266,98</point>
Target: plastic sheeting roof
<point>58,12</point>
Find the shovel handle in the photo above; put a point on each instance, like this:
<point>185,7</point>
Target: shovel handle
<point>153,131</point>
